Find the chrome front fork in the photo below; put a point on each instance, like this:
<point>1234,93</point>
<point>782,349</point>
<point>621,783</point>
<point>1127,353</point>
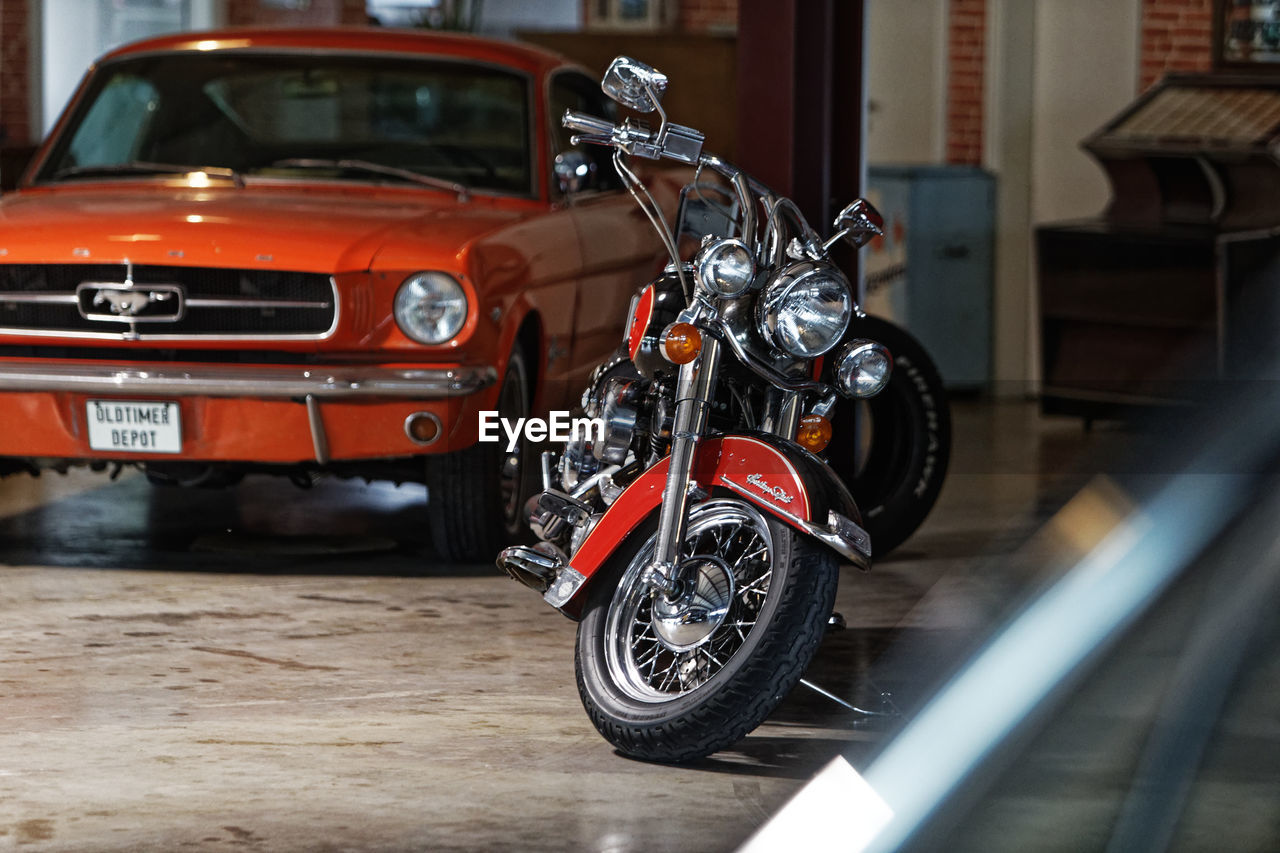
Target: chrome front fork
<point>694,392</point>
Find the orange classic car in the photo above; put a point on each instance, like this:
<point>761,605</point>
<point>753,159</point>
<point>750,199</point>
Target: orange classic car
<point>303,251</point>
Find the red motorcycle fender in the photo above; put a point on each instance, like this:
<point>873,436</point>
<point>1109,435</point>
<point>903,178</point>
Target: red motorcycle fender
<point>776,475</point>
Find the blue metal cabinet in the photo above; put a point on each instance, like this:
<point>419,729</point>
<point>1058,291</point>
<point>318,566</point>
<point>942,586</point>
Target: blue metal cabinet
<point>933,270</point>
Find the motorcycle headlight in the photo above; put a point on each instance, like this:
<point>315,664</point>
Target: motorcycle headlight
<point>430,307</point>
<point>863,368</point>
<point>805,309</point>
<point>725,267</point>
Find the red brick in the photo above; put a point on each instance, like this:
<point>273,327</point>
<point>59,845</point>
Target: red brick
<point>966,56</point>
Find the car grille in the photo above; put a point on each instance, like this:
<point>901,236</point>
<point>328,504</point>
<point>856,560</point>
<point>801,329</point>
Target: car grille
<point>58,299</point>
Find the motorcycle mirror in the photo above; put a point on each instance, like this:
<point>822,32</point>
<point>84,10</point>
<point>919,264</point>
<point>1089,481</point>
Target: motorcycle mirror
<point>858,223</point>
<point>574,172</point>
<point>634,84</point>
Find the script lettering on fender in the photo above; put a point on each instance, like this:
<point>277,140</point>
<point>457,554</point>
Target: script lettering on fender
<point>775,492</point>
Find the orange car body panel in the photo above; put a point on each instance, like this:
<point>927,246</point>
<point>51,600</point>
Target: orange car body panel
<point>534,258</point>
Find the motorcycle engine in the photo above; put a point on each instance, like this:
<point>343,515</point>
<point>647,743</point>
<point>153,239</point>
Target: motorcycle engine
<point>578,463</point>
<point>615,397</point>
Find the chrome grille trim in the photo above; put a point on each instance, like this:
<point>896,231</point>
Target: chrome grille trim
<point>200,302</point>
<point>38,298</point>
<point>122,329</point>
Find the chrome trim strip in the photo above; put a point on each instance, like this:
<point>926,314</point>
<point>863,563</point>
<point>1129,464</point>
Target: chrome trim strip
<point>839,533</point>
<point>204,302</point>
<point>757,498</point>
<point>253,382</point>
<point>39,298</point>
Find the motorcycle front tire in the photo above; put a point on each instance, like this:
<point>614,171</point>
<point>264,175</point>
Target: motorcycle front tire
<point>616,644</point>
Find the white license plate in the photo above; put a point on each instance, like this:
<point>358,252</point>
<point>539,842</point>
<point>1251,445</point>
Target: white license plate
<point>134,426</point>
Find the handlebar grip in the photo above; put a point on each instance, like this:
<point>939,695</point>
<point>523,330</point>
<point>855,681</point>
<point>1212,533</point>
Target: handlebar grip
<point>587,123</point>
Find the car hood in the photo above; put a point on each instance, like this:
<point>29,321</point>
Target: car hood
<point>304,230</point>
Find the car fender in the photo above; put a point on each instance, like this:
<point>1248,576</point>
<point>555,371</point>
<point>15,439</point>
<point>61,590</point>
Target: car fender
<point>776,475</point>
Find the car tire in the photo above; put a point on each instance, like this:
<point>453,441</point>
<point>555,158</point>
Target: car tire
<point>476,496</point>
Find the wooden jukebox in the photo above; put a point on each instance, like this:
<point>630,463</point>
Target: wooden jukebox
<point>1178,282</point>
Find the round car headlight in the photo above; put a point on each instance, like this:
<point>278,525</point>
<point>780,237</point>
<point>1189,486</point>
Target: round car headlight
<point>805,309</point>
<point>863,368</point>
<point>725,267</point>
<point>431,307</point>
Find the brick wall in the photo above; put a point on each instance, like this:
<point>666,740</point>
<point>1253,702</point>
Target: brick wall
<point>15,122</point>
<point>700,16</point>
<point>1177,35</point>
<point>317,13</point>
<point>965,56</point>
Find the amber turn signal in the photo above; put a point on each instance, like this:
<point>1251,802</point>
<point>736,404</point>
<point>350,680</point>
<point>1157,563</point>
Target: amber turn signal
<point>814,433</point>
<point>681,343</point>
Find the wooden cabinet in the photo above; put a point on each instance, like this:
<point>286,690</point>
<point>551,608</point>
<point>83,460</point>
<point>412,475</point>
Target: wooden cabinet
<point>1179,282</point>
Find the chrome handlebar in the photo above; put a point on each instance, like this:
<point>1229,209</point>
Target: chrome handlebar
<point>782,216</point>
<point>684,145</point>
<point>584,123</point>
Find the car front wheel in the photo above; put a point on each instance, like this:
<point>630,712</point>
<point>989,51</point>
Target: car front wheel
<point>475,496</point>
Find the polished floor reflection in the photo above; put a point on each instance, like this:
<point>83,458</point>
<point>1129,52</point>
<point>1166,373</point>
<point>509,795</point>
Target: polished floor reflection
<point>275,669</point>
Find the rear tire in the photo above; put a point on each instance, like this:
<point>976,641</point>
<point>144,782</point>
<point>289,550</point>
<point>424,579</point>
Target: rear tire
<point>475,497</point>
<point>657,690</point>
<point>892,451</point>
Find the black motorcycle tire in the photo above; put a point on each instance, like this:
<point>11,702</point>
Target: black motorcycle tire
<point>788,627</point>
<point>897,473</point>
<point>471,511</point>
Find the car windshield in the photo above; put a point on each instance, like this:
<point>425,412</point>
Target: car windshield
<point>302,116</point>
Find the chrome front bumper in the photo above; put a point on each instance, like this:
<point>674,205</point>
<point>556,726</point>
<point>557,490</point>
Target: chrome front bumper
<point>256,382</point>
<point>845,537</point>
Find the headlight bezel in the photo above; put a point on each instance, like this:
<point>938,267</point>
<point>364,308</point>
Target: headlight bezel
<point>773,311</point>
<point>851,358</point>
<point>720,267</point>
<point>441,287</point>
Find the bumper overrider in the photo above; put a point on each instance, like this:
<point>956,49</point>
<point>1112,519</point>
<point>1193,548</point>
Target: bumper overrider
<point>350,411</point>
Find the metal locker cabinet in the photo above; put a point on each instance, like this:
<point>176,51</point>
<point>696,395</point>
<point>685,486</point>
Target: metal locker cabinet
<point>932,272</point>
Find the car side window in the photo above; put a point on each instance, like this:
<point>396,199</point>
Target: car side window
<point>571,90</point>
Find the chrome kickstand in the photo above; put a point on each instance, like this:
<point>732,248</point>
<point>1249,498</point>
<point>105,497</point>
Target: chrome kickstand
<point>835,622</point>
<point>886,702</point>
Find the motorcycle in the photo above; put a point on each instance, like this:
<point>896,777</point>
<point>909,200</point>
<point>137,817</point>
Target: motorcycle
<point>696,535</point>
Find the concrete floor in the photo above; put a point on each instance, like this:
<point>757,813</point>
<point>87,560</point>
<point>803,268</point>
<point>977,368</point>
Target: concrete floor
<point>272,669</point>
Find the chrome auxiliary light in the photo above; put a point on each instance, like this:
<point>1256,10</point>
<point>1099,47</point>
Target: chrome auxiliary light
<point>863,368</point>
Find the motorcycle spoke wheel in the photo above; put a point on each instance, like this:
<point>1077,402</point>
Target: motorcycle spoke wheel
<point>733,549</point>
<point>674,679</point>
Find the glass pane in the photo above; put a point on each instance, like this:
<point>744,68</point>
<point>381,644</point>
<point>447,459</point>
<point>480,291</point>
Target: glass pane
<point>634,10</point>
<point>122,21</point>
<point>446,119</point>
<point>111,129</point>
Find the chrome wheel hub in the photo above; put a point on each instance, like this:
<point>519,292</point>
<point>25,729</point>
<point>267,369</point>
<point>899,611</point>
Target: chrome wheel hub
<point>687,621</point>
